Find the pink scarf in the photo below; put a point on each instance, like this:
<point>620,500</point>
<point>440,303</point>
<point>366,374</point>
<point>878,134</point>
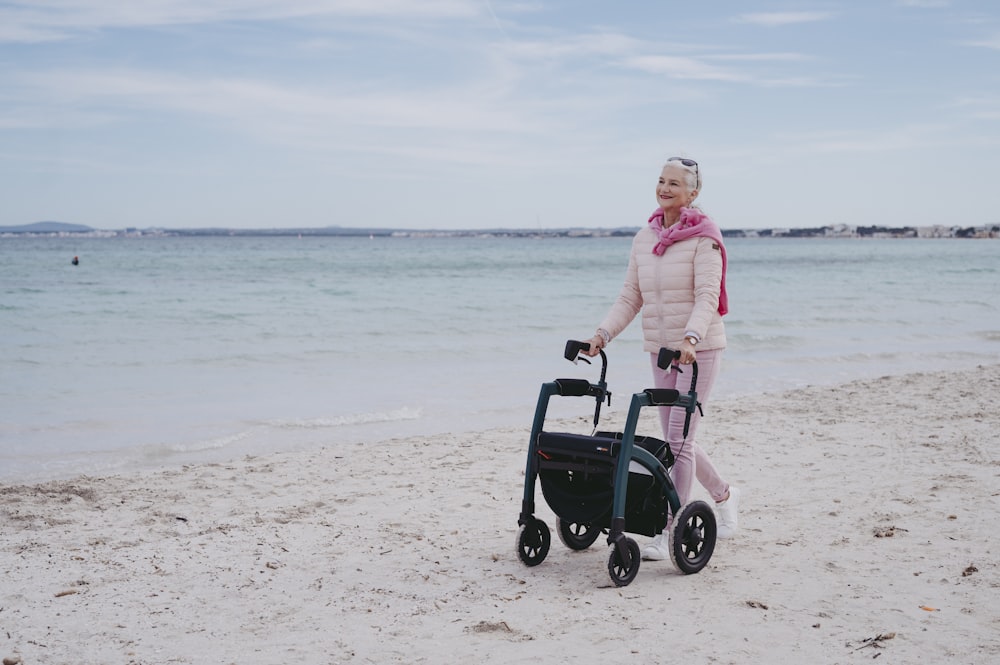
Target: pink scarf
<point>693,223</point>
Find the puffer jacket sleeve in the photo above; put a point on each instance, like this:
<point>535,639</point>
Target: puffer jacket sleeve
<point>629,301</point>
<point>707,285</point>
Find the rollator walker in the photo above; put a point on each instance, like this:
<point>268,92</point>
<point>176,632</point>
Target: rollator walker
<point>611,482</point>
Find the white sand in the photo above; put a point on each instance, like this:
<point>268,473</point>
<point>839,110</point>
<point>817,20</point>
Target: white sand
<point>864,505</point>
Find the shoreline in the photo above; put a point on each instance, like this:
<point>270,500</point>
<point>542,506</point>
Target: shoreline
<point>861,535</point>
<point>265,437</point>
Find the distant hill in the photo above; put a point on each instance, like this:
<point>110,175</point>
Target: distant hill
<point>57,229</point>
<point>46,227</point>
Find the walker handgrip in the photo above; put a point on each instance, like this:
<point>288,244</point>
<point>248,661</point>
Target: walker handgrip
<point>662,396</point>
<point>666,357</point>
<point>573,349</point>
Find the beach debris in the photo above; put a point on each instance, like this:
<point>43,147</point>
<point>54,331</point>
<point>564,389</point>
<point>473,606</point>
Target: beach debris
<point>67,592</point>
<point>875,642</point>
<point>499,628</point>
<point>757,605</point>
<point>968,571</point>
<point>491,627</point>
<point>928,608</point>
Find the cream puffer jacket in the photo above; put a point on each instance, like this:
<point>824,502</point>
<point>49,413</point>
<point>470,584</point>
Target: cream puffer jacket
<point>677,293</point>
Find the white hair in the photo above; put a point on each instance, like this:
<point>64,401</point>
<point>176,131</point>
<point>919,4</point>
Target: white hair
<point>695,178</point>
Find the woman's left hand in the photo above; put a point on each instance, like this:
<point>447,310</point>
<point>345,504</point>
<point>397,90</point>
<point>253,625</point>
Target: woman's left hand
<point>687,353</point>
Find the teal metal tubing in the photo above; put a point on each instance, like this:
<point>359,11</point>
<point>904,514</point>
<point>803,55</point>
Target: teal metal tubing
<point>629,452</point>
<point>547,391</point>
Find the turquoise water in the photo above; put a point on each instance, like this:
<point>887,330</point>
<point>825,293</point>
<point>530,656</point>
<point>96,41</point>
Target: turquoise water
<point>167,350</point>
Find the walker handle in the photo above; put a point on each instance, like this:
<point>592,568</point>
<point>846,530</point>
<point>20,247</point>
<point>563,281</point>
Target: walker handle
<point>600,391</point>
<point>666,357</point>
<point>573,349</point>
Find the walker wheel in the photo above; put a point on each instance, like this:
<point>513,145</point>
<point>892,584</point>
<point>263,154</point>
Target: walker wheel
<point>576,535</point>
<point>692,540</point>
<point>533,540</point>
<point>623,572</point>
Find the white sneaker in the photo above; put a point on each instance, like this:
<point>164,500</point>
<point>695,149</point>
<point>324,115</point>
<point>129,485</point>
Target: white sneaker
<point>659,549</point>
<point>727,514</point>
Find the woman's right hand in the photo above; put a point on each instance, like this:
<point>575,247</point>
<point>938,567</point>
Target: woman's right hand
<point>596,344</point>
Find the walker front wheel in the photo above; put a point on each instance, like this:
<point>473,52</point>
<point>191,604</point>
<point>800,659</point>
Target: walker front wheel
<point>533,540</point>
<point>576,535</point>
<point>693,537</point>
<point>623,571</point>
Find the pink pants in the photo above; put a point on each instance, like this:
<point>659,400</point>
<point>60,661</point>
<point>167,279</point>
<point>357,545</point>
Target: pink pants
<point>690,460</point>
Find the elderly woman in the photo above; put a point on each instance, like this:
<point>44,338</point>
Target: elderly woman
<point>677,278</point>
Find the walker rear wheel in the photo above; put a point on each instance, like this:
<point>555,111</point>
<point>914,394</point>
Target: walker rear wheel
<point>576,535</point>
<point>533,540</point>
<point>692,539</point>
<point>622,572</point>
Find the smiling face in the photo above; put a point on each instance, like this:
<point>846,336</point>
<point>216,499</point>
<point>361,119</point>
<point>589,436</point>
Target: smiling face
<point>675,190</point>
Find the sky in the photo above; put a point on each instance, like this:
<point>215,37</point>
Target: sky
<point>475,114</point>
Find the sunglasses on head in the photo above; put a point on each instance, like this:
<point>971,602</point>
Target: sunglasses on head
<point>688,162</point>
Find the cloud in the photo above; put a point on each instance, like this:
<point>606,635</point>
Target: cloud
<point>759,57</point>
<point>253,100</point>
<point>908,137</point>
<point>680,67</point>
<point>992,43</point>
<point>979,108</point>
<point>447,125</point>
<point>692,62</point>
<point>924,4</point>
<point>52,20</point>
<point>777,19</point>
<point>575,46</point>
<point>701,68</point>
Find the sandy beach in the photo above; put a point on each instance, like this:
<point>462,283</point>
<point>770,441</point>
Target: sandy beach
<point>867,531</point>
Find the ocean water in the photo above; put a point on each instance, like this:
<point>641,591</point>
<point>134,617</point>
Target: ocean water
<point>162,351</point>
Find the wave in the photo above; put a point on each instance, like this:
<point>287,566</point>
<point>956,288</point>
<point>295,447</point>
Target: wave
<point>259,430</point>
<point>155,451</point>
<point>401,414</point>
